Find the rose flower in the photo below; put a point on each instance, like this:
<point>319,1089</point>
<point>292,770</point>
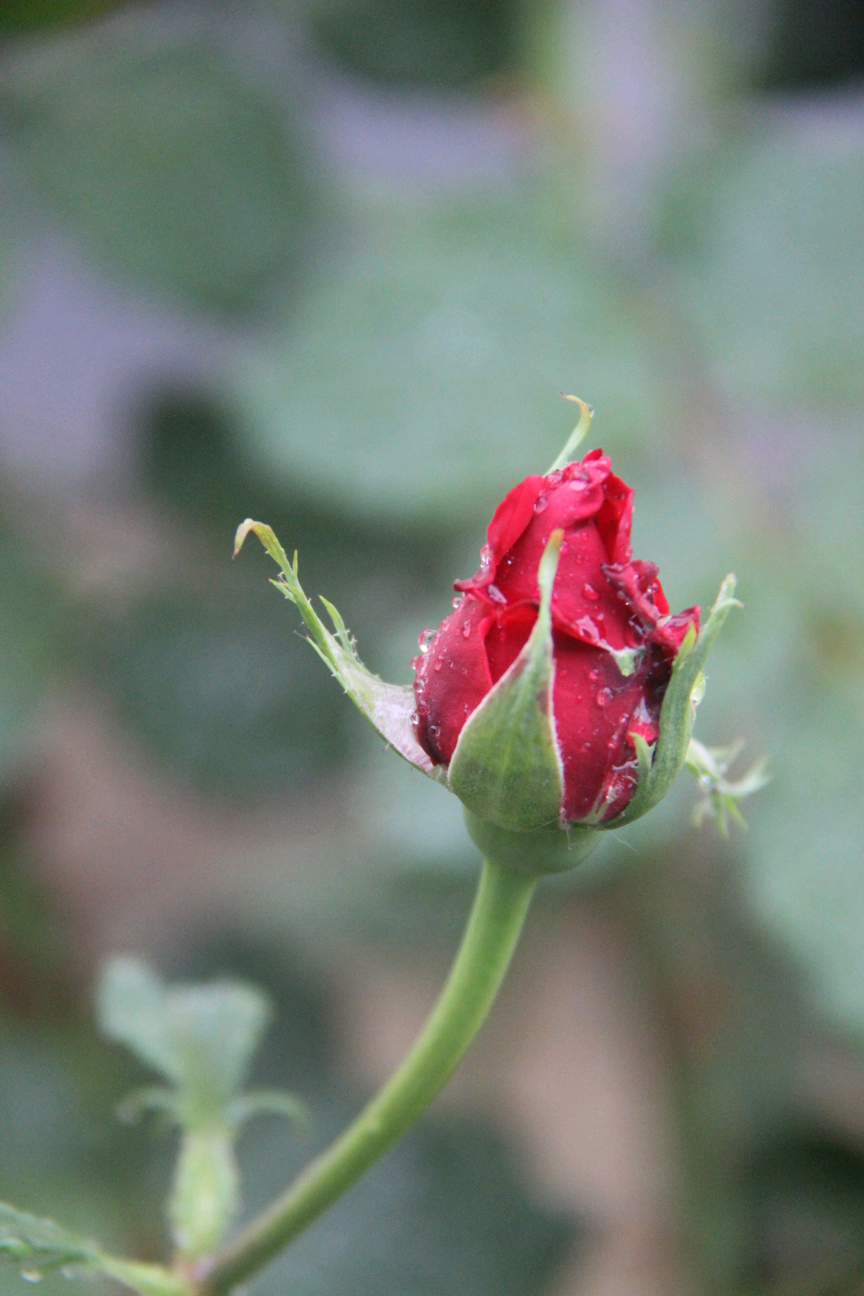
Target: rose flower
<point>614,642</point>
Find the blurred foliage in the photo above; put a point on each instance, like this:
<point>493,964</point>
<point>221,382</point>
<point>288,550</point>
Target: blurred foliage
<point>168,164</point>
<point>425,43</point>
<point>425,361</point>
<point>400,372</point>
<point>764,240</point>
<point>32,15</point>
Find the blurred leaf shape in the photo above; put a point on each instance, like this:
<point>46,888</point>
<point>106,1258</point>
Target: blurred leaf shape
<point>222,694</point>
<point>420,377</point>
<point>765,238</point>
<point>200,1038</point>
<point>165,162</point>
<point>29,15</point>
<point>32,607</point>
<point>418,42</point>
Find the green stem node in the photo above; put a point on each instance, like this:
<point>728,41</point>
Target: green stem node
<point>497,917</point>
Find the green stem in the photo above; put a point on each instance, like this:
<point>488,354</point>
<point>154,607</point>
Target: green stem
<point>499,911</point>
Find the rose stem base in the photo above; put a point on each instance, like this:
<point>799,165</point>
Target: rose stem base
<point>496,920</point>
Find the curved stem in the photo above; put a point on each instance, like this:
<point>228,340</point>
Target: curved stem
<point>499,911</point>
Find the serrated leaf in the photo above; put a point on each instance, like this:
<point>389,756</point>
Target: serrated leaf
<point>37,1245</point>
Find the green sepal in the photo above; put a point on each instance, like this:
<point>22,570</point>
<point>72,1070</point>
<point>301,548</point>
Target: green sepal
<point>546,850</point>
<point>389,708</point>
<point>507,766</point>
<point>659,768</point>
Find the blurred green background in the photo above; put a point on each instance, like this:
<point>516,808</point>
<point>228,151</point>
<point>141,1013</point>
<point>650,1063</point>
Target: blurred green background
<point>329,263</point>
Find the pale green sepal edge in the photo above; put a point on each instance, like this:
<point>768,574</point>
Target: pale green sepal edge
<point>546,850</point>
<point>507,766</point>
<point>577,436</point>
<point>389,708</point>
<point>38,1246</point>
<point>659,768</point>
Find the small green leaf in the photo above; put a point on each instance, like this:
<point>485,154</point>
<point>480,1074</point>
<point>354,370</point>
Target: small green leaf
<point>507,767</point>
<point>200,1037</point>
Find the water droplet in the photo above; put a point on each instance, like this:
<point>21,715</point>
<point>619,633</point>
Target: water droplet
<point>587,747</point>
<point>434,730</point>
<point>496,595</point>
<point>425,639</point>
<point>604,697</point>
<point>436,665</point>
<point>456,602</point>
<point>466,629</point>
<point>593,675</point>
<point>540,503</point>
<point>589,592</point>
<point>32,1275</point>
<point>485,556</point>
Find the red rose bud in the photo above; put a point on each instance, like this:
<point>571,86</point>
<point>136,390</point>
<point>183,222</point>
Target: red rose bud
<point>611,650</point>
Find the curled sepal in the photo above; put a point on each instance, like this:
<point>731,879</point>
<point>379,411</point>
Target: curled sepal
<point>658,768</point>
<point>720,795</point>
<point>577,436</point>
<point>388,707</point>
<point>507,766</point>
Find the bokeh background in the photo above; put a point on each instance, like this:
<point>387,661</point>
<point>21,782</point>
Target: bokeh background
<point>329,263</point>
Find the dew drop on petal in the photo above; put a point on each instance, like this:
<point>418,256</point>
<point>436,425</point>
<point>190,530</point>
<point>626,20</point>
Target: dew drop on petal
<point>590,593</point>
<point>604,697</point>
<point>496,595</point>
<point>540,503</point>
<point>456,602</point>
<point>593,675</point>
<point>425,640</point>
<point>434,730</point>
<point>466,629</point>
<point>436,665</point>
